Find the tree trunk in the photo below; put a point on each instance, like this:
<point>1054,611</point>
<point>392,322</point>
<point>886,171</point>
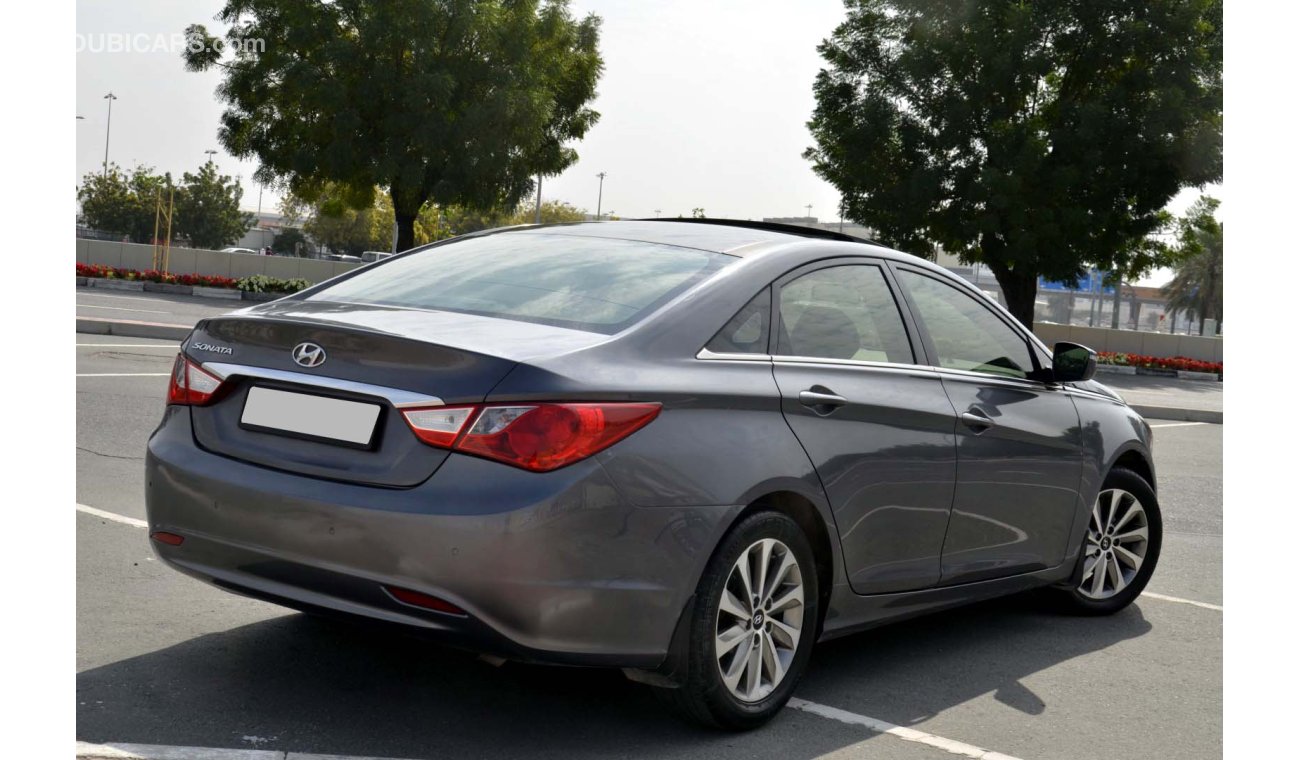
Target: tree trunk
<point>1114,309</point>
<point>405,231</point>
<point>1020,289</point>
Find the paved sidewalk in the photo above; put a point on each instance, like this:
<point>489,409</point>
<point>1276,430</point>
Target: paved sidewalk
<point>1168,397</point>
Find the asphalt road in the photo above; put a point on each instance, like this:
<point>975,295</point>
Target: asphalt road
<point>101,303</point>
<point>163,659</point>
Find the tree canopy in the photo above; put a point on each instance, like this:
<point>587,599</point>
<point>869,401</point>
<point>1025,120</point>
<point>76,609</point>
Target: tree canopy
<point>459,102</point>
<point>1036,136</point>
<point>125,204</point>
<point>205,205</point>
<point>207,209</point>
<point>1197,287</point>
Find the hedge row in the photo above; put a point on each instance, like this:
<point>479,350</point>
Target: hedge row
<point>1157,362</point>
<point>258,283</point>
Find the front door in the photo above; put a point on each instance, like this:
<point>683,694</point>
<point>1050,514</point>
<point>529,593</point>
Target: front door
<point>1019,459</point>
<point>876,423</point>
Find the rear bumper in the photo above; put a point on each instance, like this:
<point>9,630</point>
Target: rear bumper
<point>552,567</point>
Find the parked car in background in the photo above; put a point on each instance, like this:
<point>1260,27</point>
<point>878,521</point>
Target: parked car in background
<point>238,250</point>
<point>689,449</point>
<point>341,257</point>
<point>368,257</point>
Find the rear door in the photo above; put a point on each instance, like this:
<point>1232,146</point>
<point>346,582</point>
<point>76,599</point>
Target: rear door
<point>873,419</point>
<point>1019,460</point>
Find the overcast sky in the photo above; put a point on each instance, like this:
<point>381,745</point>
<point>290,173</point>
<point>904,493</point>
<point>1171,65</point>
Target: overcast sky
<point>703,104</point>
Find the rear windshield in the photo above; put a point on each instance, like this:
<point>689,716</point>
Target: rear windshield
<point>594,284</point>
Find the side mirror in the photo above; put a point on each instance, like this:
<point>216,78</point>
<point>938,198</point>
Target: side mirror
<point>1072,363</point>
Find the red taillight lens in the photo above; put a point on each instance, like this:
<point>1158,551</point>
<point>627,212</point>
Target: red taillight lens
<point>189,384</point>
<point>537,437</point>
<point>419,599</point>
<point>163,537</point>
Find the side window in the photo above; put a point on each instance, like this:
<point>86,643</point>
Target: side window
<point>843,312</point>
<point>965,333</point>
<point>746,333</point>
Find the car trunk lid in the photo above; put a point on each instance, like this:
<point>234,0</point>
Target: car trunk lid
<point>383,357</point>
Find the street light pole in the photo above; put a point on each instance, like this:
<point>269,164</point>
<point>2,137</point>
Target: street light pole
<point>600,195</point>
<point>110,97</point>
<point>210,154</point>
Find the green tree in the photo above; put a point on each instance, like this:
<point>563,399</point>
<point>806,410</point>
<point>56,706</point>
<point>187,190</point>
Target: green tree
<point>290,242</point>
<point>459,102</point>
<point>1197,287</point>
<point>1035,136</point>
<point>124,204</point>
<point>553,212</point>
<point>437,222</point>
<point>207,209</point>
<point>335,223</point>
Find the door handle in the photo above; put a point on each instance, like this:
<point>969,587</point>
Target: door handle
<point>827,401</point>
<point>977,420</point>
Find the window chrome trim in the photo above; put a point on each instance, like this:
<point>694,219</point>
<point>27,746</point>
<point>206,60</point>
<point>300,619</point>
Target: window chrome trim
<point>966,374</point>
<point>783,359</point>
<point>705,353</point>
<point>864,364</point>
<point>395,396</point>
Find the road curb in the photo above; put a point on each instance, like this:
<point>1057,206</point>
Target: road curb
<point>1178,414</point>
<point>130,328</point>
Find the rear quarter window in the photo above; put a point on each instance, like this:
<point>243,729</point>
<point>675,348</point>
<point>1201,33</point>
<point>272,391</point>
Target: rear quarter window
<point>595,284</point>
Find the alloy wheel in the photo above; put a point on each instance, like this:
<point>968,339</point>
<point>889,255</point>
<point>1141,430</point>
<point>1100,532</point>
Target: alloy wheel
<point>1116,544</point>
<point>760,619</point>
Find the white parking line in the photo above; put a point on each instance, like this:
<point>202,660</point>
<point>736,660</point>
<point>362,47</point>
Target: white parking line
<point>116,751</point>
<point>899,732</point>
<point>123,374</point>
<point>1179,600</point>
<point>119,308</point>
<point>1179,424</point>
<point>115,298</point>
<point>133,522</point>
<point>172,346</point>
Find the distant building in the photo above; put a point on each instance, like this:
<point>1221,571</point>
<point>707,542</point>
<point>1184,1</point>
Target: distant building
<point>265,227</point>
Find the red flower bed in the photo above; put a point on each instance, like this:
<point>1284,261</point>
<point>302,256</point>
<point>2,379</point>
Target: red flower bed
<point>1158,362</point>
<point>153,275</point>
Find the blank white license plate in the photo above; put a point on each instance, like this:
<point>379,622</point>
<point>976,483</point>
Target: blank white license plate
<point>304,414</point>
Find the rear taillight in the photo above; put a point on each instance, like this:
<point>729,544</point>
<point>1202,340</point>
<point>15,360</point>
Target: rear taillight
<point>537,437</point>
<point>190,384</point>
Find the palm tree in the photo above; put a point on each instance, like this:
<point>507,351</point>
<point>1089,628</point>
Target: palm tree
<point>1197,287</point>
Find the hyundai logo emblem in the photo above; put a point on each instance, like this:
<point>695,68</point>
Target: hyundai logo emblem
<point>308,355</point>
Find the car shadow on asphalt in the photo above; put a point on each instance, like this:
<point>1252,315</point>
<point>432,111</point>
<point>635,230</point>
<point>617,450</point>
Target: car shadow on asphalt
<point>908,672</point>
<point>299,683</point>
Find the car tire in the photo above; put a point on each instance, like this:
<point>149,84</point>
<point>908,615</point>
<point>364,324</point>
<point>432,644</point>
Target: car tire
<point>1116,542</point>
<point>748,700</point>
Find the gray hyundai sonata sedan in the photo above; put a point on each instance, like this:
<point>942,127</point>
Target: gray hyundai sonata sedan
<point>687,449</point>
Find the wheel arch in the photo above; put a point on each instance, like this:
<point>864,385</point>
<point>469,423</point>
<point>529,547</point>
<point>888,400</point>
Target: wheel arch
<point>809,519</point>
<point>1136,461</point>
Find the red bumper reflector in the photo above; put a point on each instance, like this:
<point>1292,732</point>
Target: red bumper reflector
<point>417,599</point>
<point>163,537</point>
